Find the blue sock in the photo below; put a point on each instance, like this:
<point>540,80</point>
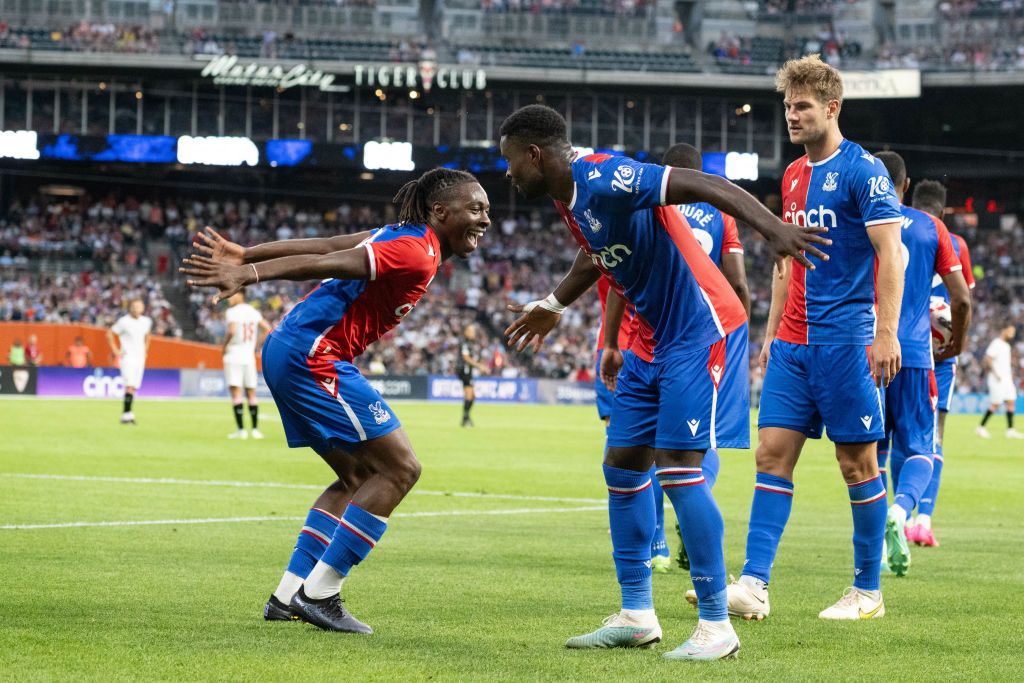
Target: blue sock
<point>702,529</point>
<point>867,498</point>
<point>914,479</point>
<point>631,514</point>
<point>313,540</point>
<point>357,534</point>
<point>896,459</point>
<point>883,460</point>
<point>660,545</point>
<point>926,506</point>
<point>769,512</point>
<point>710,466</point>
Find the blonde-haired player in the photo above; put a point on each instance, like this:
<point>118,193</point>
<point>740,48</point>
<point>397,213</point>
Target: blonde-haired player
<point>131,346</point>
<point>244,325</point>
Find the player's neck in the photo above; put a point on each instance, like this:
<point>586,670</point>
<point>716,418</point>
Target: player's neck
<point>562,185</point>
<point>825,147</point>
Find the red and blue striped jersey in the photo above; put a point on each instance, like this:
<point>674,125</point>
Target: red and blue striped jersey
<point>927,253</point>
<point>618,216</point>
<point>715,231</point>
<point>848,192</point>
<point>341,318</point>
<point>963,254</point>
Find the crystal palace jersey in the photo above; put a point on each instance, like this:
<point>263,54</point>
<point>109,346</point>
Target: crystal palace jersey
<point>628,316</point>
<point>618,217</point>
<point>716,231</point>
<point>927,253</point>
<point>847,193</point>
<point>963,254</point>
<point>342,317</point>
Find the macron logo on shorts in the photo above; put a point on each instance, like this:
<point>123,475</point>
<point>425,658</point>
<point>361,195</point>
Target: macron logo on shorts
<point>867,421</point>
<point>693,426</point>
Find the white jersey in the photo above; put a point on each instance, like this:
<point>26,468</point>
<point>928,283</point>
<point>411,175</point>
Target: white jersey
<point>998,353</point>
<point>241,347</point>
<point>132,333</point>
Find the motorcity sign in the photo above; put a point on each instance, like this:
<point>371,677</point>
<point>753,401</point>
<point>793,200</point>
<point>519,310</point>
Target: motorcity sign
<point>230,70</point>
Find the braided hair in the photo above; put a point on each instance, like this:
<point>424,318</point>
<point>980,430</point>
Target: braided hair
<point>416,197</point>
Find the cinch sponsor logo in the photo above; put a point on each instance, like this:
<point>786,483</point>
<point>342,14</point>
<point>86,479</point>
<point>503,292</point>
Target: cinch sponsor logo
<point>609,257</point>
<point>815,218</point>
<point>103,387</point>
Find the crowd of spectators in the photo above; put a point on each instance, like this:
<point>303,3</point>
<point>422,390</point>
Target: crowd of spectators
<point>521,259</point>
<point>622,8</point>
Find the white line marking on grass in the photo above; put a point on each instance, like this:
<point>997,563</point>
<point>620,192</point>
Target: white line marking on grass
<point>237,520</point>
<point>282,485</point>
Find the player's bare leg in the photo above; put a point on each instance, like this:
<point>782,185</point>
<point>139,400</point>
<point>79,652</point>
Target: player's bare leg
<point>632,520</point>
<point>393,471</point>
<point>318,530</point>
<point>254,407</point>
<point>236,406</point>
<point>778,451</point>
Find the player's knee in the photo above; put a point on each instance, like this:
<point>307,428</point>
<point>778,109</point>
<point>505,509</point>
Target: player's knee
<point>405,471</point>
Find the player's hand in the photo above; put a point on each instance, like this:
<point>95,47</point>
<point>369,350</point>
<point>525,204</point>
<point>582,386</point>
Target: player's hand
<point>886,358</point>
<point>228,279</point>
<point>796,241</point>
<point>611,363</point>
<point>946,352</point>
<point>210,243</point>
<point>531,327</point>
<point>766,352</point>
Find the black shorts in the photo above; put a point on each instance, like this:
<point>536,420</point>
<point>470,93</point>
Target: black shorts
<point>467,378</point>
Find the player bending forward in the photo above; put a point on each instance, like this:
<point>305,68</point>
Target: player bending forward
<point>244,326</point>
<point>370,282</point>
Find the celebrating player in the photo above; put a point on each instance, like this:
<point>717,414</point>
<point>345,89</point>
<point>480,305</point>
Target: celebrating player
<point>912,397</point>
<point>244,325</point>
<point>692,394</point>
<point>999,375</point>
<point>816,369</point>
<point>930,197</point>
<point>468,364</point>
<point>132,346</point>
<point>373,279</point>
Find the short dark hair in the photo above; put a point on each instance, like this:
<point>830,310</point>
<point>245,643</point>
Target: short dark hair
<point>895,165</point>
<point>682,155</point>
<point>930,195</point>
<point>535,124</point>
<point>416,197</point>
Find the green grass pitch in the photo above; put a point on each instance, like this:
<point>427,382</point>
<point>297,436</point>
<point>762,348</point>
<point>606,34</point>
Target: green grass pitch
<point>463,587</point>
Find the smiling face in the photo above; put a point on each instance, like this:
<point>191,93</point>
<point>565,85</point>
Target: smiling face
<point>463,220</point>
<point>524,168</point>
<point>807,117</point>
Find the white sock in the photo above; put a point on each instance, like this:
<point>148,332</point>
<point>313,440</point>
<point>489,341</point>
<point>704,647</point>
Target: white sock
<point>874,595</point>
<point>288,587</point>
<point>639,617</point>
<point>898,513</point>
<point>720,626</point>
<point>924,521</point>
<point>757,585</point>
<point>323,582</point>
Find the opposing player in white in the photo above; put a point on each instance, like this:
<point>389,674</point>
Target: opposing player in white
<point>131,346</point>
<point>244,326</point>
<point>1001,388</point>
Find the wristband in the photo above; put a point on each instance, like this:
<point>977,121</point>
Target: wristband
<point>256,272</point>
<point>552,304</point>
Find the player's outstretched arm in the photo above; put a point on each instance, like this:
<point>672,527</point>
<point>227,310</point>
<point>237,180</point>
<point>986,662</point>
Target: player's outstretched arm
<point>540,317</point>
<point>611,359</point>
<point>228,278</point>
<point>210,243</point>
<point>886,356</point>
<point>960,312</point>
<point>686,186</point>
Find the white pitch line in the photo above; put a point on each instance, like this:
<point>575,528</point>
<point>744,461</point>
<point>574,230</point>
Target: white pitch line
<point>282,485</point>
<point>236,520</point>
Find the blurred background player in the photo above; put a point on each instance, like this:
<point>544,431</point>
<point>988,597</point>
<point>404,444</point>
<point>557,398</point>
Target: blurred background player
<point>669,407</point>
<point>930,197</point>
<point>817,373</point>
<point>911,399</point>
<point>244,327</point>
<point>469,363</point>
<point>999,375</point>
<point>78,355</point>
<point>369,282</point>
<point>129,342</point>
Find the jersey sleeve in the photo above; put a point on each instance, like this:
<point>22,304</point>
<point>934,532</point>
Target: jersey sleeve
<point>629,183</point>
<point>118,327</point>
<point>149,326</point>
<point>965,261</point>
<point>398,258</point>
<point>873,192</point>
<point>730,236</point>
<point>991,351</point>
<point>946,261</point>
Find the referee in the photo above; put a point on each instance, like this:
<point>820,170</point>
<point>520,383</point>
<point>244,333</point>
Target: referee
<point>468,364</point>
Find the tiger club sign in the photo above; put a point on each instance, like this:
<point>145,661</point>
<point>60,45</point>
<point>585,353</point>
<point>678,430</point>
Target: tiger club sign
<point>426,75</point>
